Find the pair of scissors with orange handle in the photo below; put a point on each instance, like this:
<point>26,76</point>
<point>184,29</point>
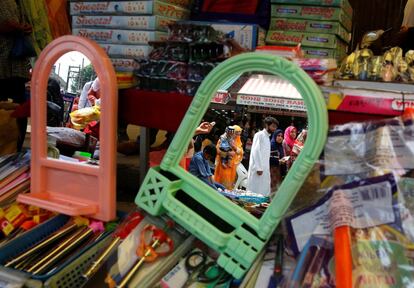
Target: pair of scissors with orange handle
<point>154,243</point>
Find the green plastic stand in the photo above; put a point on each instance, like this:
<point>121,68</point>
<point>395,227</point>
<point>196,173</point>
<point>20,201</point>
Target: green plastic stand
<point>225,227</point>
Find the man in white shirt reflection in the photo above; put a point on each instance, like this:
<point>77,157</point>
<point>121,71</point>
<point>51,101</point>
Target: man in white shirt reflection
<point>258,179</point>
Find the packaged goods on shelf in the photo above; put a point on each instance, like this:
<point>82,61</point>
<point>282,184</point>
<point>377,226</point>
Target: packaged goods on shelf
<point>181,3</point>
<point>313,52</point>
<point>126,51</point>
<point>304,38</point>
<point>314,26</point>
<point>120,36</point>
<point>124,65</point>
<point>312,12</point>
<point>122,22</point>
<point>126,80</point>
<point>245,34</point>
<point>129,7</point>
<point>344,4</point>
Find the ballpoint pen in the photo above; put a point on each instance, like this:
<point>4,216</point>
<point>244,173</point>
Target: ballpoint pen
<point>64,248</point>
<point>341,216</point>
<point>314,267</point>
<point>277,276</point>
<point>125,228</point>
<point>54,237</point>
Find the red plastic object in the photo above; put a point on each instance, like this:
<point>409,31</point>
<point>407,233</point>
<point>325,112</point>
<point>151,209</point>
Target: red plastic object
<point>66,187</point>
<point>162,110</point>
<point>230,6</point>
<point>343,257</point>
<point>158,236</point>
<point>129,224</point>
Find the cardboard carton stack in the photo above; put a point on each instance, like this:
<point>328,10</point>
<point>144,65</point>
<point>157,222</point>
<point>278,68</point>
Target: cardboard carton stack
<point>322,27</point>
<point>124,28</point>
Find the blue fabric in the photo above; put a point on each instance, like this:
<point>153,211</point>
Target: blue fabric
<point>276,149</point>
<point>199,167</point>
<point>224,145</point>
<point>218,185</point>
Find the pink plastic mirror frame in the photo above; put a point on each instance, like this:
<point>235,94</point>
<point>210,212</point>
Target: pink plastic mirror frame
<point>66,187</point>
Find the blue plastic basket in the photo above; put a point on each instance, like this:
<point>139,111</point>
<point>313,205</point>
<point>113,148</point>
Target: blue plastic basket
<point>31,238</point>
<point>34,236</point>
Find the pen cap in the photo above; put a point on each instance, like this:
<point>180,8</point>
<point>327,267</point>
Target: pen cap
<point>341,212</point>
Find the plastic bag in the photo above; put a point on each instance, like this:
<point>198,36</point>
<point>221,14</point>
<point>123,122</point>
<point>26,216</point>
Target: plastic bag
<point>370,166</point>
<point>82,117</point>
<point>370,147</point>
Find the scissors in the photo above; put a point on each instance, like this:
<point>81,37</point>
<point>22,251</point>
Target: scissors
<point>201,270</point>
<point>154,243</point>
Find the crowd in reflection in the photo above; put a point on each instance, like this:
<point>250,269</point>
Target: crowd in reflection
<point>272,152</point>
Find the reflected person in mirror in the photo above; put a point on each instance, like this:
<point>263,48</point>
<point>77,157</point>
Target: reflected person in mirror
<point>200,167</point>
<point>288,142</point>
<point>258,179</point>
<point>94,94</point>
<point>83,99</point>
<point>277,160</point>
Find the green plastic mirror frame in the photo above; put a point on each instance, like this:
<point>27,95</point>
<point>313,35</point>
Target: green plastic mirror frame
<point>244,236</point>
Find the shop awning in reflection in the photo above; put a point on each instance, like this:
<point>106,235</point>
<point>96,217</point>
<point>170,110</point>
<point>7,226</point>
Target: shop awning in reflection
<point>270,91</point>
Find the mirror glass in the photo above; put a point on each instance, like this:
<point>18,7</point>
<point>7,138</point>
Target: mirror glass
<point>73,110</point>
<point>250,136</point>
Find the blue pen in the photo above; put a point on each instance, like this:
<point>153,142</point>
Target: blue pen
<point>277,276</point>
<point>304,259</point>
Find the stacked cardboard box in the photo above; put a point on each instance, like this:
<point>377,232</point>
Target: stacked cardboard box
<point>124,28</point>
<point>322,27</point>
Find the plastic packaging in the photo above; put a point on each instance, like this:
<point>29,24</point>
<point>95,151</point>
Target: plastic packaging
<point>80,118</point>
<point>359,232</point>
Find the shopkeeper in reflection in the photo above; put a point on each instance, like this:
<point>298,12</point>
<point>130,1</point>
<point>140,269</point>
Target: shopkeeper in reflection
<point>258,178</point>
<point>200,167</point>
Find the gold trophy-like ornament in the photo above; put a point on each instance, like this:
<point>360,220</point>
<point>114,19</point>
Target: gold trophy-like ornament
<point>409,58</point>
<point>388,72</point>
<point>375,68</point>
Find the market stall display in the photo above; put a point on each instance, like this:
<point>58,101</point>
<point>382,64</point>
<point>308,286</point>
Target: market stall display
<point>124,28</point>
<point>321,27</point>
<point>340,214</point>
<point>392,66</point>
<point>180,63</point>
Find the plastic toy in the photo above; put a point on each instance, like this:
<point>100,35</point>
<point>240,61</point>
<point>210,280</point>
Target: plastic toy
<point>233,232</point>
<point>67,187</point>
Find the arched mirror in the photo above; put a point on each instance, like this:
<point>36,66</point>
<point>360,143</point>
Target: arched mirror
<point>60,181</point>
<point>73,110</point>
<point>270,87</point>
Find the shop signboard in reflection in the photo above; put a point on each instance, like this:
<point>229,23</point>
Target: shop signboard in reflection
<point>277,112</point>
<point>279,103</point>
<point>221,97</point>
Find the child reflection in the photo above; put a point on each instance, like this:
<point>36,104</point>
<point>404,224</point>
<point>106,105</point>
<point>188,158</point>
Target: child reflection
<point>200,167</point>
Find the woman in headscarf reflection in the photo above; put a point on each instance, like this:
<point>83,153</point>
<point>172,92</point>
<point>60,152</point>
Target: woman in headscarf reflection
<point>289,141</point>
<point>227,174</point>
